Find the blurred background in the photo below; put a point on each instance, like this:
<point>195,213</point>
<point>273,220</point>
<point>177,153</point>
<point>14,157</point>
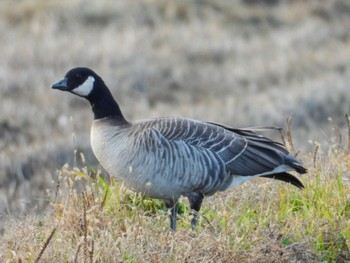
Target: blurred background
<point>241,63</point>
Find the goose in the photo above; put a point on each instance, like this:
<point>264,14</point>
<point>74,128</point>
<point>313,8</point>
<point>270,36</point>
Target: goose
<point>170,157</point>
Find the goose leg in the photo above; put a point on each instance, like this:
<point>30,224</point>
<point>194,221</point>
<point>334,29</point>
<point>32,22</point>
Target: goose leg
<point>196,200</point>
<point>172,205</point>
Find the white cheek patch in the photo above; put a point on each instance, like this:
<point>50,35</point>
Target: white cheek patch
<point>85,88</point>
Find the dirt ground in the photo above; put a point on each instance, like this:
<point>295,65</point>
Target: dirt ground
<point>242,63</point>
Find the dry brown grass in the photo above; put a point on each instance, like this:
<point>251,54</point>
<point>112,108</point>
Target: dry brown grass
<point>224,61</point>
<point>260,221</point>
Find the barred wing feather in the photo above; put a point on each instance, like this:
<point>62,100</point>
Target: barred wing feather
<point>244,152</point>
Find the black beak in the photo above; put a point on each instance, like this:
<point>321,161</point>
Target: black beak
<point>61,85</point>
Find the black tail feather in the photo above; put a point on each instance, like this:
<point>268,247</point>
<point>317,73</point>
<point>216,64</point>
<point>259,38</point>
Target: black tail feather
<point>286,177</point>
<point>298,168</point>
<point>295,164</point>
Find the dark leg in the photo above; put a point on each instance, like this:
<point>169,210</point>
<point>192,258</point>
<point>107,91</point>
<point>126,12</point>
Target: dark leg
<point>172,205</point>
<point>196,200</point>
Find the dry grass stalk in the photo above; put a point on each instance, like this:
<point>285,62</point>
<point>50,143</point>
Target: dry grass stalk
<point>57,188</point>
<point>209,224</point>
<point>104,200</point>
<point>45,245</point>
<point>340,137</point>
<point>91,252</point>
<point>348,124</point>
<point>77,254</point>
<point>85,229</point>
<point>315,155</point>
<point>289,133</point>
<point>282,137</point>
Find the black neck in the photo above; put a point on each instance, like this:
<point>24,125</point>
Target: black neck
<point>103,104</point>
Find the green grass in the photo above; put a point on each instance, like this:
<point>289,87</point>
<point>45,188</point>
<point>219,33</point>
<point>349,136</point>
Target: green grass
<point>261,221</point>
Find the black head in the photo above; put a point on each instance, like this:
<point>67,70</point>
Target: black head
<point>80,81</point>
<point>86,83</point>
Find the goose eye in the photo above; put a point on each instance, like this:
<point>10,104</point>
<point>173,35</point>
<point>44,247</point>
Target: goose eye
<point>78,76</point>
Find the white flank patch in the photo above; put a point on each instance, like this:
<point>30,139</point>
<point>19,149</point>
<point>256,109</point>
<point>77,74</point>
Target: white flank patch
<point>85,88</point>
<point>238,179</point>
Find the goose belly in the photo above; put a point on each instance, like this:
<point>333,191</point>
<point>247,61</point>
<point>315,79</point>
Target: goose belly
<point>154,180</point>
<point>152,175</point>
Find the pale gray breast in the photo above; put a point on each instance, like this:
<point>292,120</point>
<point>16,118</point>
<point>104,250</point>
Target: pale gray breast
<point>111,145</point>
